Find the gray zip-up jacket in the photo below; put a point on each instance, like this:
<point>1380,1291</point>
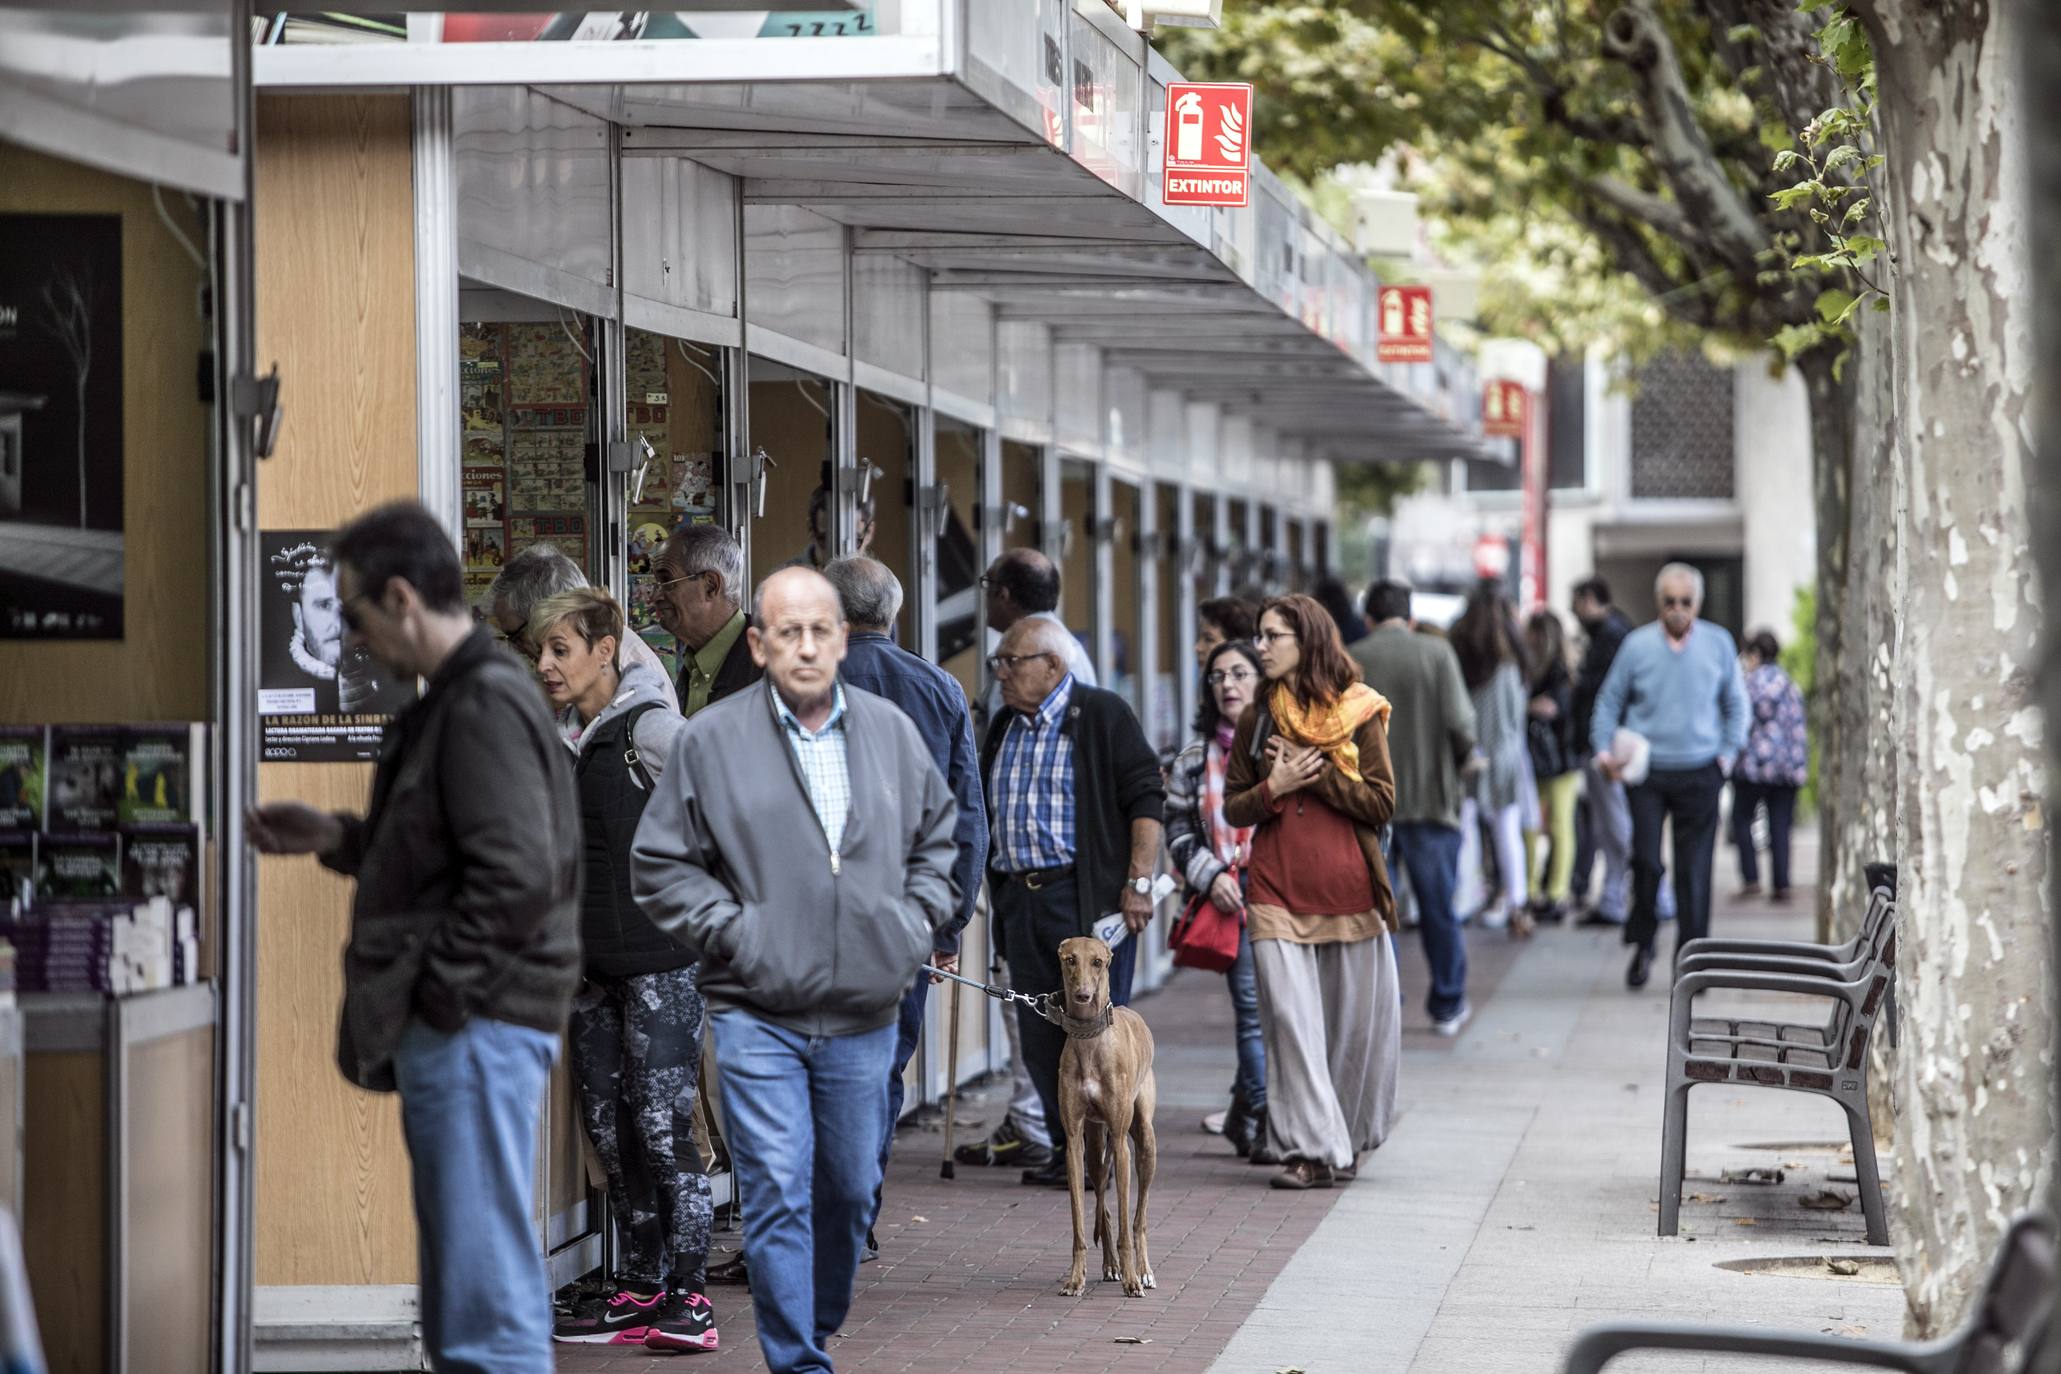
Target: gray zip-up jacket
<point>731,861</point>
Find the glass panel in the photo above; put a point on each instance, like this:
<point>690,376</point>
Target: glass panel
<point>1107,87</point>
<point>674,412</point>
<point>888,313</point>
<point>887,448</point>
<point>1205,565</point>
<point>1079,392</point>
<point>791,421</point>
<point>1169,728</point>
<point>958,552</point>
<point>1298,565</point>
<point>794,273</point>
<point>1077,550</point>
<point>1238,548</point>
<point>1127,602</point>
<point>1272,574</point>
<point>1021,499</point>
<point>962,345</point>
<point>1026,370</point>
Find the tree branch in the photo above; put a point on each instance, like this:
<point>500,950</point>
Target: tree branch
<point>1662,216</point>
<point>1681,147</point>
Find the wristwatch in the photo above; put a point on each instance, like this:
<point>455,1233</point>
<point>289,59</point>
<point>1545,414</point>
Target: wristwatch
<point>1141,886</point>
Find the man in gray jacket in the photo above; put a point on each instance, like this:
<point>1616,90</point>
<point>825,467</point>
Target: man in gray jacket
<point>800,842</point>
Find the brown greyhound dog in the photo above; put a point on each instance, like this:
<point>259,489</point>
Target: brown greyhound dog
<point>1106,1094</point>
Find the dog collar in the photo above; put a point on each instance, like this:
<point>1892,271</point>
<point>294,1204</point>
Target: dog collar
<point>1079,1028</point>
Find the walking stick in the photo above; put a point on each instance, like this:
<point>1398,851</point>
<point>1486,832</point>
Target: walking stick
<point>945,1169</point>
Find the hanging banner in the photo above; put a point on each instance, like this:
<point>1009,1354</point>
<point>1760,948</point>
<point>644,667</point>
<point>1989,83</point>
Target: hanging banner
<point>1405,324</point>
<point>1504,406</point>
<point>1208,143</point>
<point>318,701</point>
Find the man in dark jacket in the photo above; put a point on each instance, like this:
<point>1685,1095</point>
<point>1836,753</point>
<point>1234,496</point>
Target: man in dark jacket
<point>464,950</point>
<point>935,704</point>
<point>1609,818</point>
<point>800,843</point>
<point>700,575</point>
<point>1075,806</point>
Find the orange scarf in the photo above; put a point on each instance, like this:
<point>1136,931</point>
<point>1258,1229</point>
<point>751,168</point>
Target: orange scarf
<point>1329,728</point>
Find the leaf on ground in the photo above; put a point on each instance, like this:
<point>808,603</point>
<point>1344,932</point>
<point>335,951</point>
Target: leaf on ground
<point>1755,1175</point>
<point>1705,1197</point>
<point>1845,1329</point>
<point>1845,1268</point>
<point>1826,1200</point>
<point>1746,1221</point>
<point>918,1221</point>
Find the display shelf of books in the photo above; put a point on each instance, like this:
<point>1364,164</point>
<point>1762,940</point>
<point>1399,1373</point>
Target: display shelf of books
<point>102,840</point>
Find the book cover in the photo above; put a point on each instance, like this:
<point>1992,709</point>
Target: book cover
<point>160,861</point>
<point>157,775</point>
<point>85,779</point>
<point>84,867</point>
<point>17,869</point>
<point>21,776</point>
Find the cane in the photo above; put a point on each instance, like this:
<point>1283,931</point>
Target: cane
<point>945,1170</point>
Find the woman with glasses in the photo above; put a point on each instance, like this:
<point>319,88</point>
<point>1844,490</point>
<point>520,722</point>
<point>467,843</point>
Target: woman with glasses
<point>1214,856</point>
<point>1309,772</point>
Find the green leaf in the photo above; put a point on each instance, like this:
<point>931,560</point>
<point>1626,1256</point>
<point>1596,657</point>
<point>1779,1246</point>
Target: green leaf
<point>1835,306</point>
<point>1841,156</point>
<point>1791,197</point>
<point>1741,33</point>
<point>1787,159</point>
<point>1795,340</point>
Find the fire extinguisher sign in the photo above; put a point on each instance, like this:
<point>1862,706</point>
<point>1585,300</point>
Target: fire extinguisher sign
<point>1208,143</point>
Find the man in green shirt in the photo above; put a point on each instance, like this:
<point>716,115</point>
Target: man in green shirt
<point>700,575</point>
<point>1430,736</point>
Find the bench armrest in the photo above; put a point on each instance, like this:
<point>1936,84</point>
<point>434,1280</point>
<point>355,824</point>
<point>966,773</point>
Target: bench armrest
<point>1598,1345</point>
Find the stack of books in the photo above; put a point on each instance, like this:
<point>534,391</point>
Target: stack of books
<point>109,949</point>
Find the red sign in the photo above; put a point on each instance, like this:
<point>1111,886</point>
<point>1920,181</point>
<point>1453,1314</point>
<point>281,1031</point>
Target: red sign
<point>1504,405</point>
<point>1405,324</point>
<point>1208,143</point>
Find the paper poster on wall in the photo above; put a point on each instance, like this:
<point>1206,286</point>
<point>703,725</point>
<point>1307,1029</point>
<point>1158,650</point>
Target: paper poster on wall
<point>318,701</point>
<point>60,426</point>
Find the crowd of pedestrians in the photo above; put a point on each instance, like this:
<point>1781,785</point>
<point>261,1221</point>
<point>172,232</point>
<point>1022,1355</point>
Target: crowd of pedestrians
<point>728,893</point>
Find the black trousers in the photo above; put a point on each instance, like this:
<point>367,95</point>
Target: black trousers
<point>1747,797</point>
<point>1033,923</point>
<point>1688,798</point>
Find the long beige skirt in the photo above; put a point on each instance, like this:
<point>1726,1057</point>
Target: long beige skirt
<point>1333,1019</point>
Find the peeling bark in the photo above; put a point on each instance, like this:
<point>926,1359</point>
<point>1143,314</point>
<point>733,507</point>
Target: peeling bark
<point>1973,1131</point>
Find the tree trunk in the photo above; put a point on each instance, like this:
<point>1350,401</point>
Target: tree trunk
<point>1837,711</point>
<point>1973,1132</point>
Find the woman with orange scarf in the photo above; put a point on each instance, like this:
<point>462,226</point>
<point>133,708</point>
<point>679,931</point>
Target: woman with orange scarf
<point>1309,771</point>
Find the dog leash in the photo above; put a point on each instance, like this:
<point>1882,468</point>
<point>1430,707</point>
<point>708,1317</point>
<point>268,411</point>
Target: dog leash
<point>1112,930</point>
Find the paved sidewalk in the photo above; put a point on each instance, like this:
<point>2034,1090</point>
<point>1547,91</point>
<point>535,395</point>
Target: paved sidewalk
<point>1513,1205</point>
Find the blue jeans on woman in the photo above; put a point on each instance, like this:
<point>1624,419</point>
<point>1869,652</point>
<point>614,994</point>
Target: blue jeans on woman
<point>1250,1086</point>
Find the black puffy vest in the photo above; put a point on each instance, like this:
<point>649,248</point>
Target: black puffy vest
<point>618,940</point>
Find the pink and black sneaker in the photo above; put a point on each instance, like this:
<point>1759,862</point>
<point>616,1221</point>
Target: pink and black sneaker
<point>686,1322</point>
<point>623,1319</point>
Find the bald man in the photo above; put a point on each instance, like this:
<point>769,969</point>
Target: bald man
<point>800,842</point>
<point>1075,804</point>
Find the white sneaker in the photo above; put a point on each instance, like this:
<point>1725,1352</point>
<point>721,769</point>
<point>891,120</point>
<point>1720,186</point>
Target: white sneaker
<point>1450,1027</point>
<point>1214,1123</point>
<point>1495,917</point>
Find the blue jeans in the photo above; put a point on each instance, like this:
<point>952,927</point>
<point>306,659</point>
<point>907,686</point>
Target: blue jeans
<point>908,1031</point>
<point>1430,854</point>
<point>470,1102</point>
<point>1251,1084</point>
<point>804,1116</point>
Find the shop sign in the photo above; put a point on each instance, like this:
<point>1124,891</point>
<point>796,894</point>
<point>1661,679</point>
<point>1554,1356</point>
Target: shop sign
<point>1503,407</point>
<point>1405,324</point>
<point>1208,143</point>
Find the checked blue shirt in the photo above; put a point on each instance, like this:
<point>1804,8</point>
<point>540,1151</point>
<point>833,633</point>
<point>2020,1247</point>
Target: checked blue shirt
<point>1033,789</point>
<point>822,756</point>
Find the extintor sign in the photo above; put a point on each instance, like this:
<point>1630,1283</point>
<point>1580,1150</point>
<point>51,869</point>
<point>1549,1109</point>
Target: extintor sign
<point>1208,143</point>
<point>1503,405</point>
<point>1405,324</point>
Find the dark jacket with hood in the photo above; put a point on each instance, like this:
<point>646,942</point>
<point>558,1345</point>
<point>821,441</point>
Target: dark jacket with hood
<point>618,757</point>
<point>468,866</point>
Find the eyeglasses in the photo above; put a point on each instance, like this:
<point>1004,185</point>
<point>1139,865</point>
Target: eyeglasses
<point>1234,676</point>
<point>1678,603</point>
<point>1267,637</point>
<point>1003,665</point>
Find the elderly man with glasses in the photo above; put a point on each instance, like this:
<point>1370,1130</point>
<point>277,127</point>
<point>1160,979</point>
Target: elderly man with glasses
<point>700,574</point>
<point>1676,683</point>
<point>533,577</point>
<point>1075,805</point>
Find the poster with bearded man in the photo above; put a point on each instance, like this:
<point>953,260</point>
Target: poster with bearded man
<point>320,699</point>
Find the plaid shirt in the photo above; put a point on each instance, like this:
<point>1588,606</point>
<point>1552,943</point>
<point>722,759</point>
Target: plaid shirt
<point>821,754</point>
<point>1033,789</point>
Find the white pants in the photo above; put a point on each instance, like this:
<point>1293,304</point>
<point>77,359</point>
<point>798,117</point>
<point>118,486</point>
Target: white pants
<point>1506,833</point>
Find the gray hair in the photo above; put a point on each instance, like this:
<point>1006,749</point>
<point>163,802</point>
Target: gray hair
<point>707,548</point>
<point>1693,573</point>
<point>533,576</point>
<point>868,589</point>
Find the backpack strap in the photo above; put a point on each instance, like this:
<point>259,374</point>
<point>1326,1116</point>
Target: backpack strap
<point>631,758</point>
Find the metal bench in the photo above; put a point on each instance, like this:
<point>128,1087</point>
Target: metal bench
<point>1828,1058</point>
<point>2006,1329</point>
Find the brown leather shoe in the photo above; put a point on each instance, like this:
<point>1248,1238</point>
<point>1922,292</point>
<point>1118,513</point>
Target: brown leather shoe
<point>1301,1175</point>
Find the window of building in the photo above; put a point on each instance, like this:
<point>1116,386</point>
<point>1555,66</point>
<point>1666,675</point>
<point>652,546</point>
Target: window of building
<point>1682,431</point>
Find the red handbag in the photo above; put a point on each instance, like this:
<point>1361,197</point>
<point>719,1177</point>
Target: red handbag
<point>1204,936</point>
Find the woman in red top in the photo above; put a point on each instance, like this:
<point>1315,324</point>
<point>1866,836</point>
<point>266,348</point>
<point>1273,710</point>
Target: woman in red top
<point>1309,770</point>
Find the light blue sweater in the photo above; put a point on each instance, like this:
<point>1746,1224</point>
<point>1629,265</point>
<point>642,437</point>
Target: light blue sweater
<point>1689,703</point>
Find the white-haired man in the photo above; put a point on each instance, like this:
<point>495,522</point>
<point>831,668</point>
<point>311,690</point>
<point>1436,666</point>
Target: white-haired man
<point>1677,683</point>
<point>534,576</point>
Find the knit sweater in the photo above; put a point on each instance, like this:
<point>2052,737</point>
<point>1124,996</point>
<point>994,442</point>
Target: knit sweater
<point>1689,701</point>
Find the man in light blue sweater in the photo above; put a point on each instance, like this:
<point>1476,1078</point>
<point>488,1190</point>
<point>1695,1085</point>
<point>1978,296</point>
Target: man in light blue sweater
<point>1677,683</point>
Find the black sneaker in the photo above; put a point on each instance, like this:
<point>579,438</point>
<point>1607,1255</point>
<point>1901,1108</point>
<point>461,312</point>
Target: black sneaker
<point>686,1322</point>
<point>1006,1148</point>
<point>622,1319</point>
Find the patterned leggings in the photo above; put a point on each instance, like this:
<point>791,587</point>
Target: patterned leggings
<point>636,1059</point>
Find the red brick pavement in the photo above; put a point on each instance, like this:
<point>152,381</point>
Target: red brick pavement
<point>970,1269</point>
